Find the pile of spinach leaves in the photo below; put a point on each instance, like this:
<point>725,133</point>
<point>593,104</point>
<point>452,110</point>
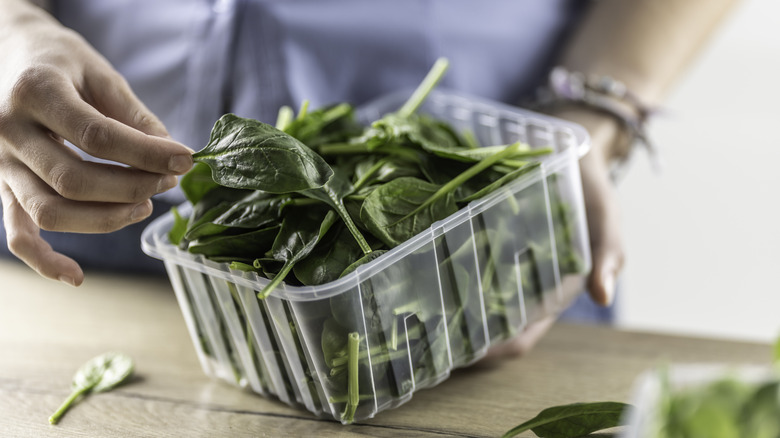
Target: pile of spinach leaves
<point>309,200</point>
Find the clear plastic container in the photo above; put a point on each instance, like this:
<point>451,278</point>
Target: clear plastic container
<point>432,304</point>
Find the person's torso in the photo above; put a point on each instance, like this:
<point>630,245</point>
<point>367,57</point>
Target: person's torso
<point>190,61</point>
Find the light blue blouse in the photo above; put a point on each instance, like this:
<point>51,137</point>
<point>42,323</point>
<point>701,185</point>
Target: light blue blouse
<point>191,61</point>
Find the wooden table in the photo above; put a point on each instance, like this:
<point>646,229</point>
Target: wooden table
<point>47,330</point>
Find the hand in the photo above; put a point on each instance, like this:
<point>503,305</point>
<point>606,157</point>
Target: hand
<point>601,205</point>
<point>603,222</point>
<point>55,87</point>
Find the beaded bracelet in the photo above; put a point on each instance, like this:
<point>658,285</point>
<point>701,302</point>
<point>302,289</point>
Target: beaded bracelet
<point>604,94</point>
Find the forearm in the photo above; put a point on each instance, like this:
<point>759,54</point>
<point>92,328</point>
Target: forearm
<point>643,43</point>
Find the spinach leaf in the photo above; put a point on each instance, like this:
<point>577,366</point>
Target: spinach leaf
<point>297,237</point>
<point>197,182</point>
<point>333,341</point>
<point>325,125</point>
<point>574,420</point>
<point>178,228</point>
<point>362,261</point>
<point>235,246</point>
<point>329,258</point>
<point>204,214</point>
<point>255,210</point>
<point>373,170</point>
<point>471,172</point>
<point>405,207</point>
<point>500,182</point>
<point>99,374</point>
<point>333,193</point>
<point>248,154</point>
<point>396,211</point>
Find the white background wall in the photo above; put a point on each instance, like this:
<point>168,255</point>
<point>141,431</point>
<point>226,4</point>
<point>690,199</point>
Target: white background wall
<point>703,237</point>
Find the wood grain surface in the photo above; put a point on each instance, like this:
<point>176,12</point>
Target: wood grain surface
<point>47,330</point>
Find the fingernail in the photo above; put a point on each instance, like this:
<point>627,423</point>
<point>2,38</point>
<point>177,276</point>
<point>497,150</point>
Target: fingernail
<point>68,280</point>
<point>608,280</point>
<point>141,211</point>
<point>180,163</point>
<point>166,183</point>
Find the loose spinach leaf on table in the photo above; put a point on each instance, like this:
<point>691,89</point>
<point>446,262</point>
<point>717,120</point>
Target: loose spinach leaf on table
<point>573,421</point>
<point>99,374</point>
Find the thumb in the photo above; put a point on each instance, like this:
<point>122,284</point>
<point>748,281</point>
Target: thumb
<point>605,229</point>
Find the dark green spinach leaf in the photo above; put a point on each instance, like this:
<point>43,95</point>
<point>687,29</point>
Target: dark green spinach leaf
<point>248,154</point>
<point>297,237</point>
<point>574,420</point>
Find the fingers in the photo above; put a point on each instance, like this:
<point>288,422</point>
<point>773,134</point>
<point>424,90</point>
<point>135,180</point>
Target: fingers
<point>111,95</point>
<point>75,179</point>
<point>50,99</point>
<point>25,242</point>
<point>50,211</point>
<point>605,229</point>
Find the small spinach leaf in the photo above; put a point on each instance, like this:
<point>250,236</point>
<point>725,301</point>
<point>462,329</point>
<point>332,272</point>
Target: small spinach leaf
<point>99,374</point>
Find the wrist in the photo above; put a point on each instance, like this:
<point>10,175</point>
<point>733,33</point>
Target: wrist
<point>607,136</point>
<point>613,115</point>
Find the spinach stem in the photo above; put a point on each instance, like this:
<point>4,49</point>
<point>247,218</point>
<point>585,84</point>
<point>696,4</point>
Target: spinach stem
<point>343,149</point>
<point>304,109</point>
<point>369,174</point>
<point>358,198</point>
<point>353,393</point>
<point>378,355</point>
<point>342,211</point>
<point>405,153</point>
<point>284,117</point>
<point>67,403</point>
<point>424,89</point>
<point>330,218</point>
<point>394,335</point>
<point>344,398</point>
<point>302,202</point>
<point>263,294</point>
<point>470,139</point>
